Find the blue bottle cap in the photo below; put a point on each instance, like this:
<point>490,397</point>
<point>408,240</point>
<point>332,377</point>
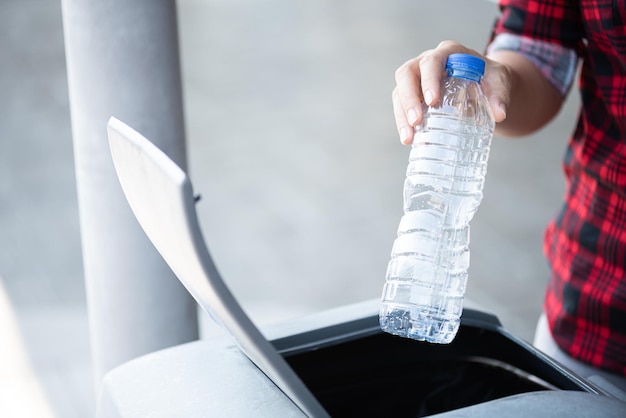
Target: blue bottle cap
<point>465,62</point>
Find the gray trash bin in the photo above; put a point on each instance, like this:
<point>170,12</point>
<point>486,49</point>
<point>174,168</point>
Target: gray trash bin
<point>377,374</point>
<point>337,364</point>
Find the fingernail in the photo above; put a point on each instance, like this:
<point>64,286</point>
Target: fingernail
<point>502,109</point>
<point>405,135</point>
<point>411,116</point>
<point>428,97</point>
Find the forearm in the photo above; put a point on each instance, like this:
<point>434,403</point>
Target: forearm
<point>533,100</point>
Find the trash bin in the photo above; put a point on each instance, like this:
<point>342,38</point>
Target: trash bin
<point>354,369</point>
<point>337,364</point>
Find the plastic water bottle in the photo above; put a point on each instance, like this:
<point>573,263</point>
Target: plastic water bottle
<point>427,274</point>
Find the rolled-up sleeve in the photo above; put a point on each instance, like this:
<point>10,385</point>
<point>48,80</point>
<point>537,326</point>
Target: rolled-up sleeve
<point>555,62</point>
<point>548,32</point>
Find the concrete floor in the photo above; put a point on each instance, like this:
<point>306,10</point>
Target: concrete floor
<point>292,144</point>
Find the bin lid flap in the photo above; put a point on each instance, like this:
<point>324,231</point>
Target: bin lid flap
<point>161,197</point>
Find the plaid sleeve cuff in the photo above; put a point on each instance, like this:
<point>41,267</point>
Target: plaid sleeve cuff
<point>556,62</point>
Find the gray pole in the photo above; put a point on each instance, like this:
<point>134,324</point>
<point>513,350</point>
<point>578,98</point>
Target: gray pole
<point>122,61</point>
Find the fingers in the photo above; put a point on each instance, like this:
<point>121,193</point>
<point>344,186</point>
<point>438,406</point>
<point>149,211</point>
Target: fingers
<point>419,80</point>
<point>408,92</point>
<point>432,70</point>
<point>405,129</point>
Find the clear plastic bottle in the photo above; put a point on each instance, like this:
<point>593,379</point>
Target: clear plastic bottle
<point>427,275</point>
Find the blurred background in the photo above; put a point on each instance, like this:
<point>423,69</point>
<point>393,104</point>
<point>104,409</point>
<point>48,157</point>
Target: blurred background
<point>292,145</point>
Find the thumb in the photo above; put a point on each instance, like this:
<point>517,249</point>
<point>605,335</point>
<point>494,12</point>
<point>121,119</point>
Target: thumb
<point>498,108</point>
<point>498,89</point>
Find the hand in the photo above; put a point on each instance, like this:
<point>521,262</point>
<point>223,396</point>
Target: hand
<point>419,80</point>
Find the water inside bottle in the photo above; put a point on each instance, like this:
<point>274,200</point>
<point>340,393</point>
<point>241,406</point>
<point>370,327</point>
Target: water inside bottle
<point>427,274</point>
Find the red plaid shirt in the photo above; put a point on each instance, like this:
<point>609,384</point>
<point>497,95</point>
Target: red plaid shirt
<point>586,242</point>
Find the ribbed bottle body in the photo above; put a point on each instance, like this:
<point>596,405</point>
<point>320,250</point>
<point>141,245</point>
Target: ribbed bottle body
<point>427,274</point>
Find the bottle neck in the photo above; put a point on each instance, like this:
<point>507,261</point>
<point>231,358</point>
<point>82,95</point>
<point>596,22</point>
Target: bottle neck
<point>464,73</point>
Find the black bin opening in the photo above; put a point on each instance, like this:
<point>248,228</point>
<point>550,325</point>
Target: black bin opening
<point>380,375</point>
